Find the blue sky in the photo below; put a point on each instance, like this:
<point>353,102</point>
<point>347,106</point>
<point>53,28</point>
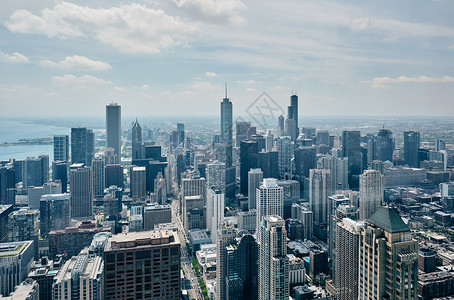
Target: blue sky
<point>172,57</point>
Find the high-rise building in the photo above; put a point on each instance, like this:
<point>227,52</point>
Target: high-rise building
<point>113,129</point>
<point>7,184</point>
<point>285,148</point>
<point>388,258</point>
<point>90,146</point>
<point>338,167</point>
<point>55,213</point>
<point>319,191</point>
<point>23,226</point>
<point>193,205</point>
<point>371,193</point>
<point>156,214</point>
<point>411,146</point>
<point>248,161</point>
<point>268,162</point>
<point>180,134</point>
<point>306,216</point>
<point>351,148</point>
<point>81,277</point>
<point>215,172</point>
<point>81,179</point>
<point>215,210</point>
<point>224,236</point>
<point>193,187</point>
<point>16,260</point>
<point>138,183</point>
<point>305,159</point>
<point>61,148</point>
<point>60,172</point>
<point>255,178</point>
<point>79,147</point>
<point>114,175</point>
<point>291,190</point>
<point>294,106</point>
<point>99,177</point>
<point>5,210</point>
<point>347,258</point>
<point>273,260</point>
<point>143,251</point>
<point>270,201</point>
<point>160,188</point>
<point>137,146</point>
<point>385,145</point>
<point>242,268</point>
<point>241,132</point>
<point>36,171</point>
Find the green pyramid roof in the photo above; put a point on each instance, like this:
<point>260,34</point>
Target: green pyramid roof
<point>388,219</point>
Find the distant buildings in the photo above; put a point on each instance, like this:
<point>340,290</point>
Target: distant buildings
<point>81,179</point>
<point>411,146</point>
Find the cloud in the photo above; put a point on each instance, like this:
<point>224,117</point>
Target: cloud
<point>82,80</point>
<point>215,11</point>
<point>386,82</point>
<point>279,87</point>
<point>119,89</point>
<point>77,62</point>
<point>210,74</point>
<point>203,85</point>
<point>251,90</point>
<point>167,92</point>
<point>247,81</point>
<point>16,57</point>
<point>186,93</point>
<point>133,28</point>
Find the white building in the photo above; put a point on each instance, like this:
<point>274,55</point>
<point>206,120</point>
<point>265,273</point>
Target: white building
<point>270,200</point>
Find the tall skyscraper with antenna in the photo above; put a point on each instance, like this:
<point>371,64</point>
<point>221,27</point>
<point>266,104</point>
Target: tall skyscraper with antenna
<point>227,141</point>
<point>113,129</point>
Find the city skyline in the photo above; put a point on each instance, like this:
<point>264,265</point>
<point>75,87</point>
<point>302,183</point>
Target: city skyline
<point>342,59</point>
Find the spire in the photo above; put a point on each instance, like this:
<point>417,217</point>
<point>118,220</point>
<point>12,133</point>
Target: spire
<point>226,89</point>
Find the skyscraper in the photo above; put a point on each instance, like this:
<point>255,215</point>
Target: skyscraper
<point>371,193</point>
<point>143,252</point>
<point>411,146</point>
<point>388,258</point>
<point>347,257</point>
<point>61,148</point>
<point>99,177</point>
<point>23,226</point>
<point>137,147</point>
<point>79,148</point>
<point>273,260</point>
<point>7,184</point>
<point>81,179</point>
<point>60,172</point>
<point>139,184</point>
<point>114,175</point>
<point>385,145</point>
<point>224,236</point>
<point>215,172</point>
<point>255,178</point>
<point>248,161</point>
<point>294,106</point>
<point>285,148</point>
<point>338,167</point>
<point>113,129</point>
<point>227,141</point>
<point>215,210</point>
<point>319,191</point>
<point>55,213</point>
<point>351,148</point>
<point>180,135</point>
<point>270,201</point>
<point>36,171</point>
<point>242,268</point>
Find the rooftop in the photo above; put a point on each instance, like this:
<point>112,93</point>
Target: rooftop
<point>143,238</point>
<point>388,219</point>
<point>13,248</point>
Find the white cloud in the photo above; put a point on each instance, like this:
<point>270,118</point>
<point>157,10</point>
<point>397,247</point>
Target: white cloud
<point>16,57</point>
<point>165,92</point>
<point>386,82</point>
<point>186,93</point>
<point>131,28</point>
<point>279,87</point>
<point>203,85</point>
<point>216,11</point>
<point>77,62</point>
<point>210,74</point>
<point>82,80</point>
<point>119,89</point>
<point>251,90</point>
<point>247,81</point>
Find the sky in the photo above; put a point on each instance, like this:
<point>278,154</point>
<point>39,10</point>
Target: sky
<point>173,57</point>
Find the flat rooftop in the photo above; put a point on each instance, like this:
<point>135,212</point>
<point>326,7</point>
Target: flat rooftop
<point>13,248</point>
<point>143,238</point>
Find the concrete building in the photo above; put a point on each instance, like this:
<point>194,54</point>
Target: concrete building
<point>99,177</point>
<point>388,264</point>
<point>5,211</point>
<point>371,193</point>
<point>139,184</point>
<point>225,236</point>
<point>193,206</point>
<point>81,179</point>
<point>82,277</point>
<point>16,260</point>
<point>338,167</point>
<point>156,214</point>
<point>319,191</point>
<point>270,201</point>
<point>27,290</point>
<point>273,260</point>
<point>215,211</point>
<point>215,172</point>
<point>347,258</point>
<point>142,252</point>
<point>255,178</point>
<point>23,226</point>
<point>247,220</point>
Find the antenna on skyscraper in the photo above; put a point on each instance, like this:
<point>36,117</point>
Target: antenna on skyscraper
<point>226,89</point>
